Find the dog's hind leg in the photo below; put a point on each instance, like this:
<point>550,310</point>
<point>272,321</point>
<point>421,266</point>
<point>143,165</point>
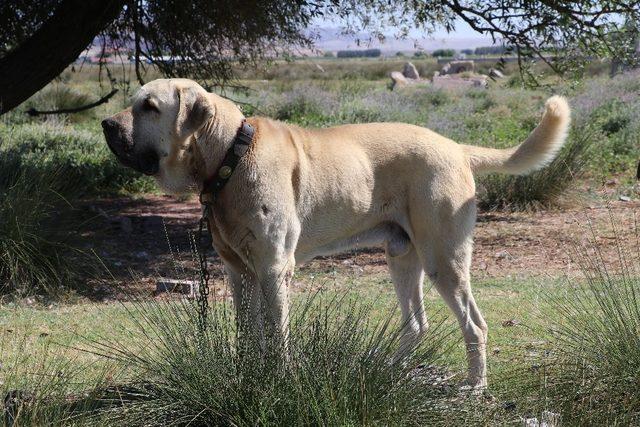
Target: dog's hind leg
<point>407,275</point>
<point>446,254</point>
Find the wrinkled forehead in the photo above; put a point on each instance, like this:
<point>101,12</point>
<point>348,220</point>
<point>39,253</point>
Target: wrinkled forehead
<point>162,91</point>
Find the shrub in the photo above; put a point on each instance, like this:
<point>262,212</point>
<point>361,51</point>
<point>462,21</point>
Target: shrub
<point>443,53</point>
<point>592,374</point>
<point>339,371</point>
<point>611,107</point>
<point>366,53</point>
<point>539,189</point>
<point>34,227</point>
<point>80,154</point>
<point>310,107</point>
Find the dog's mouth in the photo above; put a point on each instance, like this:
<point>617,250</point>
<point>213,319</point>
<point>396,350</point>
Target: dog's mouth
<point>120,142</point>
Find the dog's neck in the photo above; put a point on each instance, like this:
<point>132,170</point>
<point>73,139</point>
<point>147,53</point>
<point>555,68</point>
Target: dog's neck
<point>216,137</point>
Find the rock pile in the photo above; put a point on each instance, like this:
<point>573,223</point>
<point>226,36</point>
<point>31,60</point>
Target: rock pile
<point>449,77</point>
<point>457,67</point>
<point>409,75</point>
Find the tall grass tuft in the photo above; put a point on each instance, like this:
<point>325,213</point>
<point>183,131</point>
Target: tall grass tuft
<point>34,211</point>
<point>338,369</point>
<point>49,386</point>
<point>589,374</point>
<point>595,377</point>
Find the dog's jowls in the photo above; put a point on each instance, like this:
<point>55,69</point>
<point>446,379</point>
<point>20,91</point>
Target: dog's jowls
<point>300,193</point>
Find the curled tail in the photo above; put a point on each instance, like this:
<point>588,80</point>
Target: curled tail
<point>538,150</point>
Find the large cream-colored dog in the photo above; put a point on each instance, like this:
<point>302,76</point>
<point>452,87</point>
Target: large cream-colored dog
<point>299,193</point>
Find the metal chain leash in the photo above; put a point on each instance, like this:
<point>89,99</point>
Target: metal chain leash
<point>203,286</point>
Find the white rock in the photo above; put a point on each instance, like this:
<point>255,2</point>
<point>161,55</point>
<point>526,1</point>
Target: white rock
<point>410,71</point>
<point>398,80</point>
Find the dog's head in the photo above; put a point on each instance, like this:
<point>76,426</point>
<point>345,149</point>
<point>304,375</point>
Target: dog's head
<point>155,135</point>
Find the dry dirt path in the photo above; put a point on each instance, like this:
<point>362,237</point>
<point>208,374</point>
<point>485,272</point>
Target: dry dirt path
<point>131,237</point>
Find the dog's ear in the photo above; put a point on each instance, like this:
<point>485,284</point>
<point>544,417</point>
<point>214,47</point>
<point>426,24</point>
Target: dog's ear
<point>195,110</point>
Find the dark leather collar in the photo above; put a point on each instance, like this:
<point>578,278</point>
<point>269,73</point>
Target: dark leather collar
<point>241,143</point>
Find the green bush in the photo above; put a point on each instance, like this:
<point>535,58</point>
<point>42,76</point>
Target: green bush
<point>542,188</point>
<point>591,373</point>
<point>339,371</point>
<point>43,169</point>
<point>81,154</point>
<point>34,228</point>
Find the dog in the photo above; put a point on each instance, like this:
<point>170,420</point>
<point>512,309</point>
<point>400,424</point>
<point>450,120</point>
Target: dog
<point>299,193</point>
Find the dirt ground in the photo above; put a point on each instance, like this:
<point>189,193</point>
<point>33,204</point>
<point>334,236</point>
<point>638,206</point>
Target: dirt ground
<point>142,240</point>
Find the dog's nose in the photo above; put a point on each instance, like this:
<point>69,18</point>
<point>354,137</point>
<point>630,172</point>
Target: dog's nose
<point>109,124</point>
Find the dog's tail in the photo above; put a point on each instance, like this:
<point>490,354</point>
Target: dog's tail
<point>538,150</point>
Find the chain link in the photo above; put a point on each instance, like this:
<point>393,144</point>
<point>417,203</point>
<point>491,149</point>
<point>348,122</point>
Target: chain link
<point>203,286</point>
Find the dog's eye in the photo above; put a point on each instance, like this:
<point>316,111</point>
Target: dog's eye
<point>149,105</point>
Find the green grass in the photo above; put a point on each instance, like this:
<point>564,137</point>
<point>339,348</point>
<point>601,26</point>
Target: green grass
<point>68,324</point>
<point>44,169</point>
<point>549,341</point>
<point>78,152</point>
<point>157,354</point>
<point>35,226</point>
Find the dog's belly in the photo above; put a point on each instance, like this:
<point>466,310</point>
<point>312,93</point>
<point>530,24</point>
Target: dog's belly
<point>390,233</point>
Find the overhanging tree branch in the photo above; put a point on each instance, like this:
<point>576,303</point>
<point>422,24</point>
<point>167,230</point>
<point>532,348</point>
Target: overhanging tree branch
<point>104,99</point>
<point>56,44</point>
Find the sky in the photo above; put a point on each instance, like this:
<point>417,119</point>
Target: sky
<point>463,37</point>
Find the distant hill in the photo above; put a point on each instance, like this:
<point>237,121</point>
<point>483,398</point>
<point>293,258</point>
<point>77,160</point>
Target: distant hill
<point>331,39</point>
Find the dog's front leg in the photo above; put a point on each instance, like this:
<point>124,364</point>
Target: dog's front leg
<point>248,302</point>
<point>275,280</point>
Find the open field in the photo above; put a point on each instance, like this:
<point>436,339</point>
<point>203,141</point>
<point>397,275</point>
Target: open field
<point>95,235</point>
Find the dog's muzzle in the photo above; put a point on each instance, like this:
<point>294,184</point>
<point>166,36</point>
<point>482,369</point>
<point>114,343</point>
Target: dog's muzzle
<point>120,142</point>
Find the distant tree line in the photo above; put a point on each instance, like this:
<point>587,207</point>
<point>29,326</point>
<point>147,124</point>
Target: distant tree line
<point>492,50</point>
<point>438,53</point>
<point>365,53</point>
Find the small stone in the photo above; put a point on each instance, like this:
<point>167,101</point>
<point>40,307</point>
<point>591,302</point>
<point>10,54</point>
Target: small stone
<point>550,419</point>
<point>510,322</point>
<point>611,182</point>
<point>495,74</point>
<point>530,422</point>
<point>501,254</point>
<point>456,67</point>
<point>509,406</point>
<point>624,198</point>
